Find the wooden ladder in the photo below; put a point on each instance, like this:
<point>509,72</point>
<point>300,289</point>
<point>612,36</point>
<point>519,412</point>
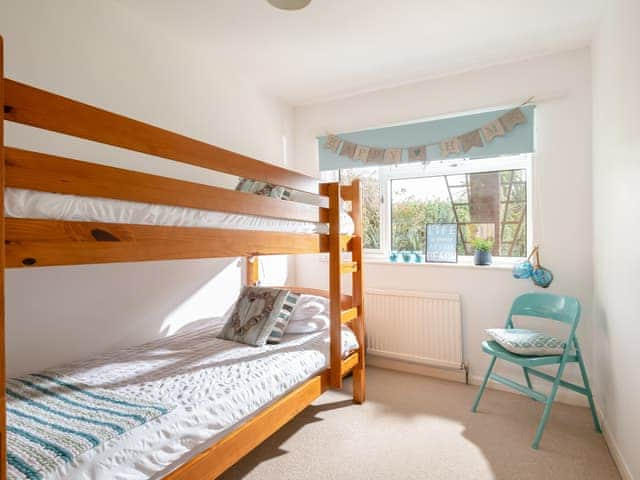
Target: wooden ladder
<point>353,314</point>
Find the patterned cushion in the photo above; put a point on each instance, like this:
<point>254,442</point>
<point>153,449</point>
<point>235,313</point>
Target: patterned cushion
<point>254,315</point>
<point>262,188</point>
<point>526,342</point>
<point>283,318</point>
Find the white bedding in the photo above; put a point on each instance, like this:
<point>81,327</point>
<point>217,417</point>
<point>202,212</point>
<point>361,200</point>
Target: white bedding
<point>214,384</point>
<point>21,203</point>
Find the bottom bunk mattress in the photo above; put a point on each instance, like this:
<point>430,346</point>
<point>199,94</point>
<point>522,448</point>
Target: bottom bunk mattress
<point>143,411</point>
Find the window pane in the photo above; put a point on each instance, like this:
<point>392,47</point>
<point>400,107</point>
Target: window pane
<point>484,205</point>
<point>414,203</point>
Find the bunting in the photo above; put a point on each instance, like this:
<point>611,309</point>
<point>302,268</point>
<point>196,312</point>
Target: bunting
<point>462,143</point>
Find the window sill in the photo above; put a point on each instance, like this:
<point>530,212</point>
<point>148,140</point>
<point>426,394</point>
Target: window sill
<point>463,262</point>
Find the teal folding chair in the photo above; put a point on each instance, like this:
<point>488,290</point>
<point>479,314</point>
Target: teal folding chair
<point>555,307</point>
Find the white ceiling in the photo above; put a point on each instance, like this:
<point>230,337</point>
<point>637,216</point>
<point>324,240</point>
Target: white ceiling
<point>336,48</point>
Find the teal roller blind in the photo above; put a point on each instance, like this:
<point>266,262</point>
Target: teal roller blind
<point>519,140</point>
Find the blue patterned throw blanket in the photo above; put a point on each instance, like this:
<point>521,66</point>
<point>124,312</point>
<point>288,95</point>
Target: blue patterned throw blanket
<point>52,419</point>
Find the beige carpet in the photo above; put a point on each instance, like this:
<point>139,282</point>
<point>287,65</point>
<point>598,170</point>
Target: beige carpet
<point>414,427</point>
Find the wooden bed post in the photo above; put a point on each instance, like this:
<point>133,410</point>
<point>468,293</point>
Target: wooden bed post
<point>357,293</point>
<point>3,413</point>
<point>253,271</point>
<point>335,285</point>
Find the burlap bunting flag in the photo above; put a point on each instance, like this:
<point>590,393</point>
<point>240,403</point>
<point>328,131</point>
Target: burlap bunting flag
<point>449,146</point>
<point>492,130</point>
<point>376,155</point>
<point>512,118</point>
<point>361,154</point>
<point>348,149</point>
<point>392,155</point>
<point>471,139</point>
<point>332,143</point>
<point>417,154</point>
<point>455,145</point>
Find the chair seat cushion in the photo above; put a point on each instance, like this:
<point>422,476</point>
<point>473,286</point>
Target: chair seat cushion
<point>526,342</point>
<point>492,348</point>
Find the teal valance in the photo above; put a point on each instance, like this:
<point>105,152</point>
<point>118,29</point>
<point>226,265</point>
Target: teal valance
<point>518,139</point>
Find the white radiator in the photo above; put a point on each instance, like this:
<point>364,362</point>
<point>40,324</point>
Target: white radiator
<point>416,327</point>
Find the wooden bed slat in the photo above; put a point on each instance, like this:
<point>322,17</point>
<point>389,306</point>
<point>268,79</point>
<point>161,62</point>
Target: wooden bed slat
<point>38,108</point>
<point>37,171</point>
<point>52,242</point>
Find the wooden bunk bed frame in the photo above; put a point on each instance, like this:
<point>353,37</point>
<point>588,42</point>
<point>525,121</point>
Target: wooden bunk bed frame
<point>29,243</point>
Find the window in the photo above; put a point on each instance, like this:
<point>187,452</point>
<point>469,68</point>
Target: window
<point>486,198</point>
<point>371,201</point>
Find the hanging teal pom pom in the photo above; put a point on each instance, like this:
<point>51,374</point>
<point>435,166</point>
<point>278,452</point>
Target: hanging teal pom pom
<point>542,277</point>
<point>522,270</point>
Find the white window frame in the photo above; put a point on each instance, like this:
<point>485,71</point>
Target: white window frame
<point>439,168</point>
<point>436,169</point>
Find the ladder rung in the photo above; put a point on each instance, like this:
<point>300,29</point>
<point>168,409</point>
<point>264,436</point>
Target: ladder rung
<point>349,362</point>
<point>349,267</point>
<point>349,314</point>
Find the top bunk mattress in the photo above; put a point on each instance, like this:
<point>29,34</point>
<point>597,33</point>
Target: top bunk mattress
<point>206,386</point>
<point>21,203</point>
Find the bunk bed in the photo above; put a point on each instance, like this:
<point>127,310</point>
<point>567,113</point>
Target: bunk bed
<point>35,242</point>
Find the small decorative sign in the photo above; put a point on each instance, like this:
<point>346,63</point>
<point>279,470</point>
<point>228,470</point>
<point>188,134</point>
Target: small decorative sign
<point>441,244</point>
<point>417,154</point>
<point>392,155</point>
<point>376,155</point>
<point>332,143</point>
<point>361,154</point>
<point>449,146</point>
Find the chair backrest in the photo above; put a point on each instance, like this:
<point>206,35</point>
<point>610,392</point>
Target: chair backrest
<point>546,305</point>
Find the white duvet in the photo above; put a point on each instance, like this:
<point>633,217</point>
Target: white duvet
<point>21,203</point>
<point>214,385</point>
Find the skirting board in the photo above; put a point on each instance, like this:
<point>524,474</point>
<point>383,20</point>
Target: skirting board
<point>453,375</point>
<point>461,375</point>
<point>612,445</point>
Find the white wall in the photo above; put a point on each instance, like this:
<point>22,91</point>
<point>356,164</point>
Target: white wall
<point>562,182</point>
<point>616,172</point>
<point>97,52</point>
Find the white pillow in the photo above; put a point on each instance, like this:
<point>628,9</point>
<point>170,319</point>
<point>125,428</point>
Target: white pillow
<point>311,314</point>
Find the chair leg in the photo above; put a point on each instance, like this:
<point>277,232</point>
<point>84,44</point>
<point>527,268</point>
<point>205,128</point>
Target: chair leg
<point>547,407</point>
<point>526,377</point>
<point>484,384</point>
<point>585,380</point>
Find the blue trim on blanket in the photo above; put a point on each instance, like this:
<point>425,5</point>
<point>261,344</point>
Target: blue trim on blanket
<point>62,398</point>
<point>22,466</point>
<point>99,397</point>
<point>59,451</point>
<point>117,428</point>
<point>90,438</point>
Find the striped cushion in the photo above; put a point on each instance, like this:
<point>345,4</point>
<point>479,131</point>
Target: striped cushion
<point>262,188</point>
<point>254,315</point>
<point>283,318</point>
